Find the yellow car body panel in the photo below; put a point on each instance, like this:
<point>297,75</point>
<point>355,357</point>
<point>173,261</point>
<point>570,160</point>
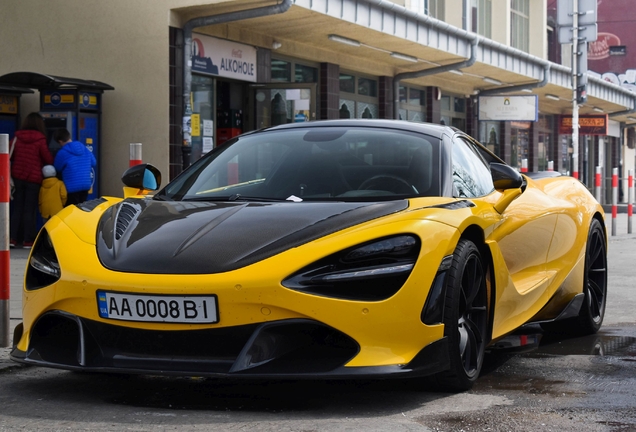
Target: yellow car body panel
<point>254,293</point>
<point>527,258</point>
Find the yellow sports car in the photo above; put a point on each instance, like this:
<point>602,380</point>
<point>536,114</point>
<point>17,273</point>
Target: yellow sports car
<point>331,249</point>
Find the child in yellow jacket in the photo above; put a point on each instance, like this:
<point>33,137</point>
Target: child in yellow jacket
<point>52,193</point>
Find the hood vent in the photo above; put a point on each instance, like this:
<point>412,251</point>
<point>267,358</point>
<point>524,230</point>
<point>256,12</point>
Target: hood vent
<point>127,213</point>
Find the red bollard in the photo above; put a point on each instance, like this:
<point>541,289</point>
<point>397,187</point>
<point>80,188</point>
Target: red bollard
<point>550,165</point>
<point>630,200</point>
<point>597,184</point>
<point>5,260</point>
<point>524,165</point>
<point>135,154</point>
<point>614,199</point>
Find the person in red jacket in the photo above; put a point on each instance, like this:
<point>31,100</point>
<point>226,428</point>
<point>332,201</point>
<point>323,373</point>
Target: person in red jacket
<point>30,154</point>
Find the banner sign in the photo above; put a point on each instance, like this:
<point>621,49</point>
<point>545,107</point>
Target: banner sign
<point>223,58</point>
<point>589,124</point>
<point>509,108</point>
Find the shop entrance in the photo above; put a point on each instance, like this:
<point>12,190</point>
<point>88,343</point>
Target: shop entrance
<point>276,104</point>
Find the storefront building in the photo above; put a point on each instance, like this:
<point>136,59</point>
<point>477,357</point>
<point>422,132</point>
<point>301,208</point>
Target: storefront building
<point>418,61</point>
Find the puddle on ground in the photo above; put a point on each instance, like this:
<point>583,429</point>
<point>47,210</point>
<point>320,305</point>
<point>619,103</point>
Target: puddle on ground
<point>598,344</point>
<point>532,341</point>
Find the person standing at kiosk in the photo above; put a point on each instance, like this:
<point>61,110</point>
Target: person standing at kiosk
<point>75,162</point>
<point>30,154</point>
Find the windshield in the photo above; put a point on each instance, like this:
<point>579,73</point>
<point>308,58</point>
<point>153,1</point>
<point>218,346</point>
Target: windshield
<point>320,163</point>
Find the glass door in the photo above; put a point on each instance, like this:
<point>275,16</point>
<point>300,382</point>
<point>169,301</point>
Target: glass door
<point>281,103</point>
<point>202,120</point>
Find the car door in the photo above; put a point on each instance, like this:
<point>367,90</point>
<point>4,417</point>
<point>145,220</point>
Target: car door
<point>521,236</point>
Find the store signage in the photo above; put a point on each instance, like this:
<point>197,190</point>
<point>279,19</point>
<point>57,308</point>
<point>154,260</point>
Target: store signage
<point>589,124</point>
<point>509,108</point>
<point>58,99</point>
<point>88,100</point>
<point>223,58</point>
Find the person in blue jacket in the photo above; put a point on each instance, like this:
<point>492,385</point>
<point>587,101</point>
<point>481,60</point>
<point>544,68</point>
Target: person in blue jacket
<point>75,162</point>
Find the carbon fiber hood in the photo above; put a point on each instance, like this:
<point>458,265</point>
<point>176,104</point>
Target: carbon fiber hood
<point>147,236</point>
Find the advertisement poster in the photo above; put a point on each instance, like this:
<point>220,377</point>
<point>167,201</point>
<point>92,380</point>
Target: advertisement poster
<point>196,125</point>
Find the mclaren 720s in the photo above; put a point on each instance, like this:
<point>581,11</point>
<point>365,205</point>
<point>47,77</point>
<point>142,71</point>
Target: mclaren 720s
<point>329,249</point>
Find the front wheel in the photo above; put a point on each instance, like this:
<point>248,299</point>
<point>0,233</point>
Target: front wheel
<point>466,315</point>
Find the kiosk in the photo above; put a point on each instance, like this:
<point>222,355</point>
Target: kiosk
<point>71,103</point>
<point>10,108</point>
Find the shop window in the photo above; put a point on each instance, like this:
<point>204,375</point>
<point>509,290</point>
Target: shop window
<point>460,104</point>
<point>412,104</point>
<point>417,97</point>
<point>403,94</point>
<point>281,71</point>
<point>358,97</point>
<point>445,103</point>
<point>489,136</point>
<point>305,74</point>
<point>547,141</point>
<point>453,111</point>
<point>347,83</point>
<point>519,143</point>
<point>367,87</point>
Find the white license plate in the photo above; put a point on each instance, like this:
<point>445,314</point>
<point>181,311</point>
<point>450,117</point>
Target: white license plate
<point>158,308</point>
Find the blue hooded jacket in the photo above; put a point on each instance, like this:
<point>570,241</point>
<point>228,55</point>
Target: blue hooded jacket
<point>75,161</point>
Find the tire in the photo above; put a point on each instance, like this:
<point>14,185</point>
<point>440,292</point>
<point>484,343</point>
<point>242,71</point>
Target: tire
<point>592,312</point>
<point>466,318</point>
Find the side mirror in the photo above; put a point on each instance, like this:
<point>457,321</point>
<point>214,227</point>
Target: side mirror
<point>142,176</point>
<point>505,177</point>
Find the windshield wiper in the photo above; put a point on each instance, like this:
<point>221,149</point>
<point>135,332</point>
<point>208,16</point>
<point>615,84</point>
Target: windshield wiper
<point>239,197</point>
<point>161,198</point>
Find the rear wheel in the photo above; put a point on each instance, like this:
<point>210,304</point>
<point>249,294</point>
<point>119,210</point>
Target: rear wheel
<point>465,318</point>
<point>592,311</point>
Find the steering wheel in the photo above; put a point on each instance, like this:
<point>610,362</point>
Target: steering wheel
<point>387,182</point>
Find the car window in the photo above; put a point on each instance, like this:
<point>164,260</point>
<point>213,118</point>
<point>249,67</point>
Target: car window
<point>344,163</point>
<point>471,174</point>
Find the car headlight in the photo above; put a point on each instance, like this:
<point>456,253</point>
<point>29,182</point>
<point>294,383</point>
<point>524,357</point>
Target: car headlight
<point>371,272</point>
<point>43,269</point>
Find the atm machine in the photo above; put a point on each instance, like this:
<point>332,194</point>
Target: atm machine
<point>71,103</point>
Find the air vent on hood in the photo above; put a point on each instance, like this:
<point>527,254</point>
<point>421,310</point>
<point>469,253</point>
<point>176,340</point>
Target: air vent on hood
<point>126,215</point>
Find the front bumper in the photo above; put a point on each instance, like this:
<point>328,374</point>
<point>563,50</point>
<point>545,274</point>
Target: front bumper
<point>292,348</point>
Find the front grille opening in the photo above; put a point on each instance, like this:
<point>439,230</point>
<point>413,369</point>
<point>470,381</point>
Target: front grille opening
<point>55,339</point>
<point>298,347</point>
<point>210,350</point>
<point>283,348</point>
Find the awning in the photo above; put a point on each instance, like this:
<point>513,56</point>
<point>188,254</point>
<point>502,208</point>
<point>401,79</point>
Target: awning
<point>9,89</point>
<point>41,81</point>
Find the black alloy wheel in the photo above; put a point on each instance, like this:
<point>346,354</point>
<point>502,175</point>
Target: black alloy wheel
<point>466,315</point>
<point>593,309</point>
<point>592,312</point>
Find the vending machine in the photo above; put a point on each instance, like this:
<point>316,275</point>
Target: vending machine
<point>70,103</point>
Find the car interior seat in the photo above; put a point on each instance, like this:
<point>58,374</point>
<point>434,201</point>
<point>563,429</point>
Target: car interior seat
<point>420,169</point>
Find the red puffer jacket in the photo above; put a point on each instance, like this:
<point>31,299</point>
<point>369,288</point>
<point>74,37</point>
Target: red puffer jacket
<point>30,154</point>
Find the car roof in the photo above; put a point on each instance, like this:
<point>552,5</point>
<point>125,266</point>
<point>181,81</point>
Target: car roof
<point>431,129</point>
